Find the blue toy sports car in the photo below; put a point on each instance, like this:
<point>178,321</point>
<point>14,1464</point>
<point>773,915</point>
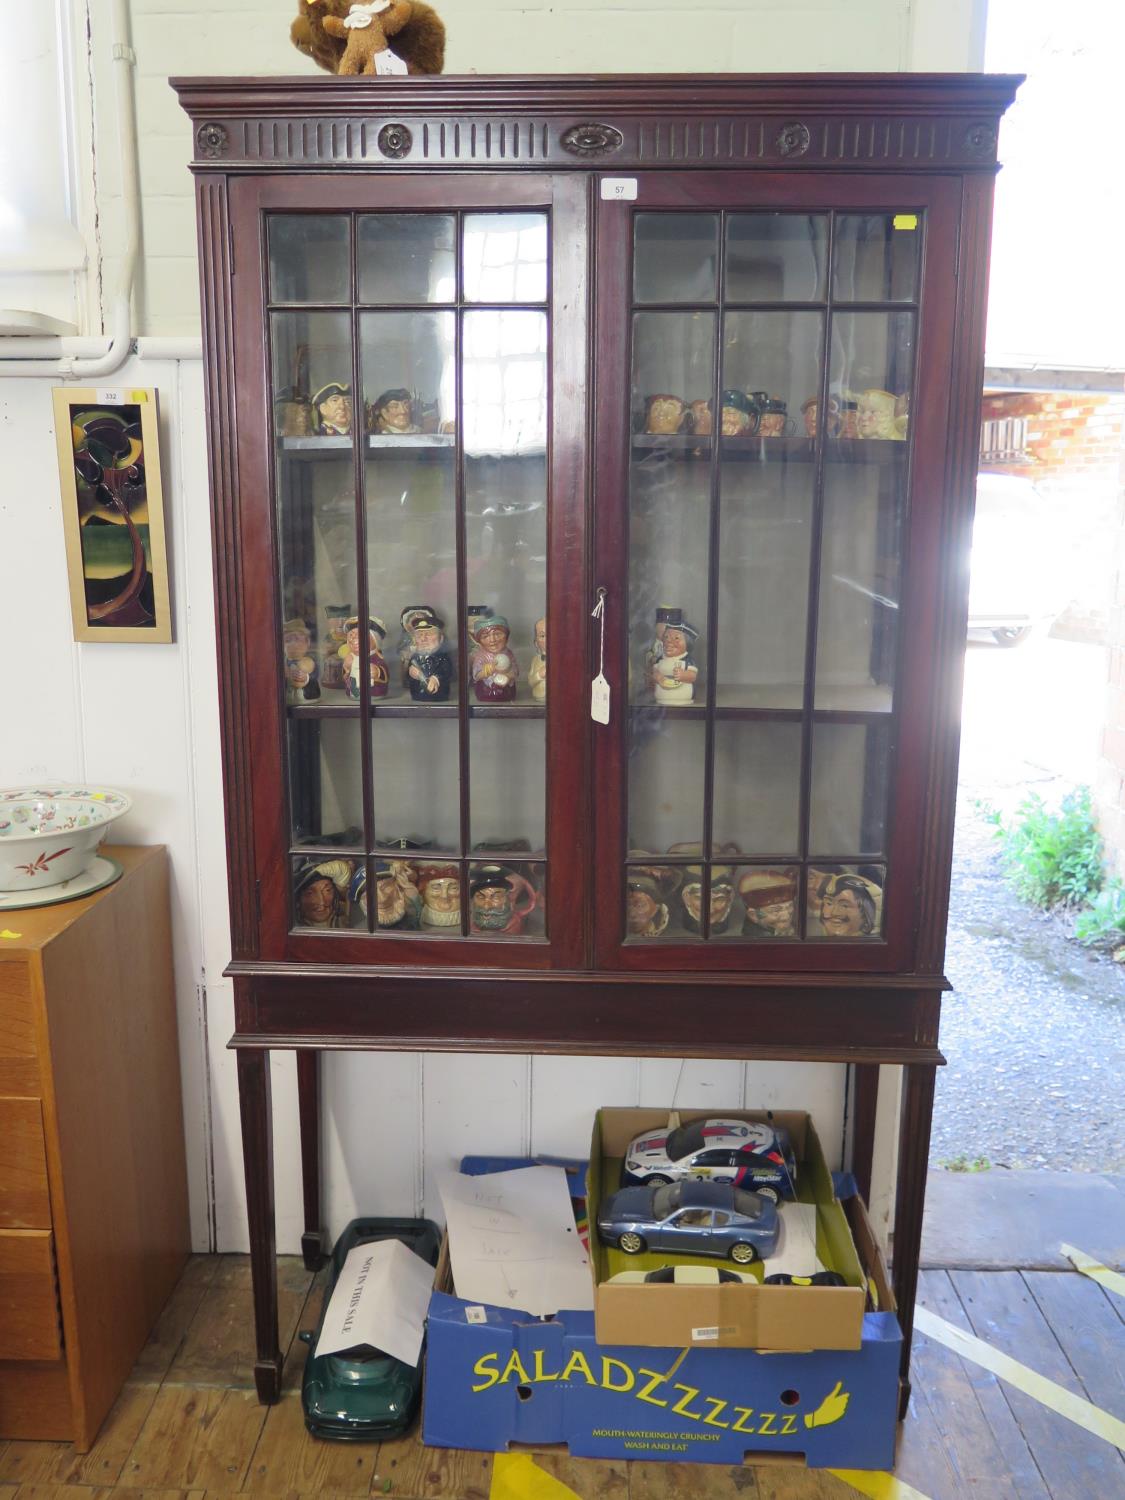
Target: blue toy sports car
<point>695,1218</point>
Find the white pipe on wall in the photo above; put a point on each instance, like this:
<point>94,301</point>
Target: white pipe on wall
<point>51,357</point>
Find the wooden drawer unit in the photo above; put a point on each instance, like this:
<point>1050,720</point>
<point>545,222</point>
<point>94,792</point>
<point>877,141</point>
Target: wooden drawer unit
<point>25,1200</point>
<point>29,1298</point>
<point>93,1182</point>
<point>19,1057</point>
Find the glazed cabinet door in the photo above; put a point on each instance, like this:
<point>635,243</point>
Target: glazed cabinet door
<point>410,356</point>
<point>774,365</point>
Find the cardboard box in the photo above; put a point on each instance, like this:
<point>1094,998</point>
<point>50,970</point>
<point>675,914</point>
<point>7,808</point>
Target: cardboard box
<point>731,1316</point>
<point>498,1379</point>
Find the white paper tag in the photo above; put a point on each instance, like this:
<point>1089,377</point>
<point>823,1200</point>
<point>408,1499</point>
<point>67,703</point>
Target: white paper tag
<point>710,1335</point>
<point>387,62</point>
<point>619,189</point>
<point>599,700</point>
<point>110,395</point>
<point>475,1315</point>
<point>360,16</point>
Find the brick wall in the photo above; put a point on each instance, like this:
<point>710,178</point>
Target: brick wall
<point>1076,434</point>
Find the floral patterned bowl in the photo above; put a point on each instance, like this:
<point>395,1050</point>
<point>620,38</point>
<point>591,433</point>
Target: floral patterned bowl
<point>52,834</point>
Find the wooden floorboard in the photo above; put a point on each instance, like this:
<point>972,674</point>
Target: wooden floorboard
<point>188,1426</point>
<point>218,1348</point>
<point>1075,1309</point>
<point>980,1435</point>
<point>1075,1464</point>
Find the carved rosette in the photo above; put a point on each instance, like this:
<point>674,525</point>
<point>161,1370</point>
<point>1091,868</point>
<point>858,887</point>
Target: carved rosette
<point>793,139</point>
<point>980,140</point>
<point>395,141</point>
<point>211,140</point>
<point>590,140</point>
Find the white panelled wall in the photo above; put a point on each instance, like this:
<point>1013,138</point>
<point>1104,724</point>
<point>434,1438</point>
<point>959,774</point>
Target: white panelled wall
<point>145,718</point>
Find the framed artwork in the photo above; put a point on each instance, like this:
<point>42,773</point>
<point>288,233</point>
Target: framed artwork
<point>113,514</point>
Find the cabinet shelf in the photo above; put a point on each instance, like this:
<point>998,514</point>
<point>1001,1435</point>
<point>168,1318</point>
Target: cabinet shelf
<point>683,447</point>
<point>404,707</point>
<point>778,702</point>
<point>443,442</point>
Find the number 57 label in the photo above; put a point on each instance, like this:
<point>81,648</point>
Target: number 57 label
<point>619,189</point>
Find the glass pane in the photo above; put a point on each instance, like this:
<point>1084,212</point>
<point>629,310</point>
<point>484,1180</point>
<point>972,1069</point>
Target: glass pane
<point>850,768</point>
<point>309,258</point>
<point>508,783</point>
<point>654,912</point>
<point>505,407</point>
<point>871,369</point>
<point>439,885</point>
<point>505,257</point>
<point>675,257</point>
<point>876,257</point>
<point>771,367</point>
<point>317,545</point>
<point>726,917</point>
<point>312,381</point>
<point>407,361</point>
<point>845,902</point>
<point>776,257</point>
<point>416,781</point>
<point>666,758</point>
<point>766,908</point>
<point>757,786</point>
<point>669,503</point>
<point>321,891</point>
<point>765,534</point>
<point>857,627</point>
<point>326,781</point>
<point>398,902</point>
<point>406,258</point>
<point>506,900</point>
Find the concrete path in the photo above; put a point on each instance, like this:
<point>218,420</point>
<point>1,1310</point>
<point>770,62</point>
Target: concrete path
<point>1001,1220</point>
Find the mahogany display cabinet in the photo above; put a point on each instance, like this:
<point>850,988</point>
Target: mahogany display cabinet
<point>514,383</point>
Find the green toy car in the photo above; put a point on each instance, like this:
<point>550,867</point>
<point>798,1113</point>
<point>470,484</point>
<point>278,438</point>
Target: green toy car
<point>361,1394</point>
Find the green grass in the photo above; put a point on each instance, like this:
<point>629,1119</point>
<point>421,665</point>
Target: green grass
<point>966,1164</point>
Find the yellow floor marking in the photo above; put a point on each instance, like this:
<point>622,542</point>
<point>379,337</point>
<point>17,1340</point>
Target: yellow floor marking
<point>1075,1408</point>
<point>516,1476</point>
<point>878,1485</point>
<point>1113,1280</point>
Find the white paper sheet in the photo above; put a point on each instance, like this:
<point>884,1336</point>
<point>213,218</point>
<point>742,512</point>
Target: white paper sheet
<point>380,1298</point>
<point>513,1241</point>
<point>796,1248</point>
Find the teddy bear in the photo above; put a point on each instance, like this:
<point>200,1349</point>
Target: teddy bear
<point>351,36</point>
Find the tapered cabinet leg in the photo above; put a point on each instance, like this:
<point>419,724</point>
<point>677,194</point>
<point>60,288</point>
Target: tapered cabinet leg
<point>866,1079</point>
<point>913,1160</point>
<point>308,1103</point>
<point>257,1155</point>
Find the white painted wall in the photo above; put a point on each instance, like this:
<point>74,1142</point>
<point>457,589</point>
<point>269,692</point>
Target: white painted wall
<point>146,718</point>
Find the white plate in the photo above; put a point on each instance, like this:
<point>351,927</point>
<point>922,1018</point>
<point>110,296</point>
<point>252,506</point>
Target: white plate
<point>101,873</point>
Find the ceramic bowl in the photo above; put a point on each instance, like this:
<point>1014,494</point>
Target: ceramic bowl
<point>51,834</point>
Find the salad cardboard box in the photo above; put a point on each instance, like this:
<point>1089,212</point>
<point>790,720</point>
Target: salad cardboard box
<point>742,1315</point>
<point>498,1379</point>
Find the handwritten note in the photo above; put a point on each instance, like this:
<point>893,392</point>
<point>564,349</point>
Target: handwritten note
<point>513,1241</point>
<point>380,1298</point>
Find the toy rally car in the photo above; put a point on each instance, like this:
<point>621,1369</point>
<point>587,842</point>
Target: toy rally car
<point>694,1218</point>
<point>747,1154</point>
